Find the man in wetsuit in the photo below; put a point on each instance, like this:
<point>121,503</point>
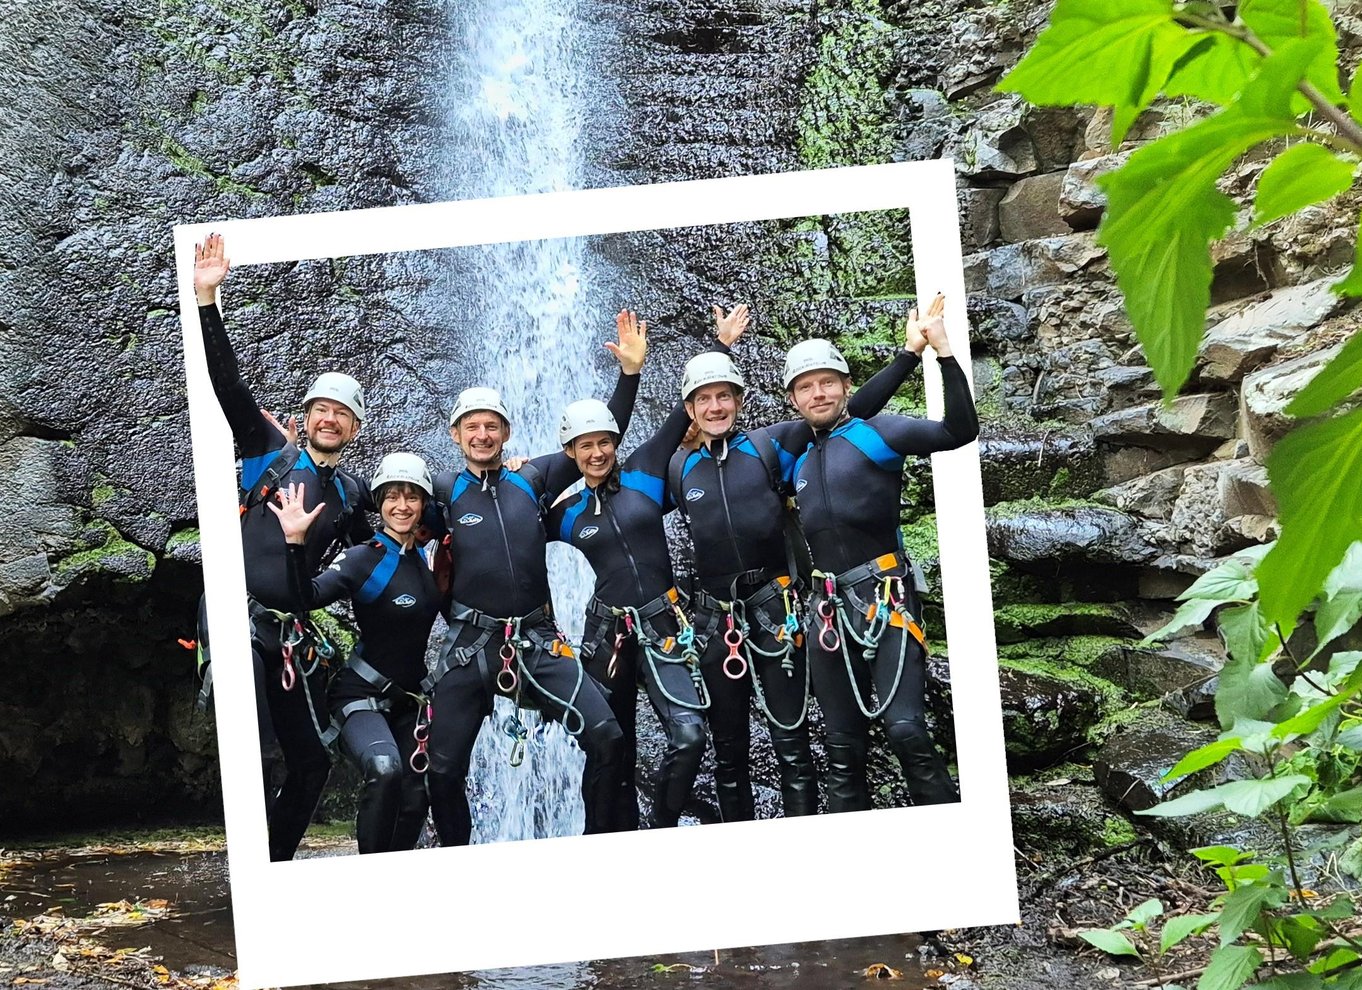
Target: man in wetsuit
<point>865,631</point>
<point>502,638</point>
<point>291,706</point>
<point>731,490</point>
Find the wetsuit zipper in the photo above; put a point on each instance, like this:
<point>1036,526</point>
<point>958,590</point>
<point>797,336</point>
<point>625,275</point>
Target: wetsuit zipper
<point>822,446</point>
<point>505,540</point>
<point>628,553</point>
<point>719,467</point>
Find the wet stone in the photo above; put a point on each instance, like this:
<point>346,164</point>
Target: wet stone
<point>1150,673</point>
<point>1045,718</point>
<point>1130,766</point>
<point>1080,532</point>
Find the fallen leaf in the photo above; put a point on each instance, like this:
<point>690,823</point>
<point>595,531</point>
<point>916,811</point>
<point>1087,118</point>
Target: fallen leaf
<point>935,974</point>
<point>879,971</point>
<point>60,963</point>
<point>20,980</point>
<point>963,959</point>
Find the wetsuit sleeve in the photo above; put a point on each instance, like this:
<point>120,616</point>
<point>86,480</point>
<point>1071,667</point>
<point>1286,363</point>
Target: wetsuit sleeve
<point>253,433</point>
<point>906,435</point>
<point>621,402</point>
<point>875,394</point>
<point>559,472</point>
<point>341,580</point>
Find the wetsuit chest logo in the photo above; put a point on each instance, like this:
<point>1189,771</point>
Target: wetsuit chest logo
<point>802,482</point>
<point>695,493</point>
<point>589,532</point>
<point>470,519</point>
<point>404,601</point>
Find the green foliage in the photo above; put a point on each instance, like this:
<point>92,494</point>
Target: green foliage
<point>1301,176</point>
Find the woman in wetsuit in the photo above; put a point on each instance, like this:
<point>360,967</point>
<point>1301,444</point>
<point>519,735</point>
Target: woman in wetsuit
<point>376,697</point>
<point>635,628</point>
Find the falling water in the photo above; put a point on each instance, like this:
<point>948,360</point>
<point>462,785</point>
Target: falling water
<point>516,118</point>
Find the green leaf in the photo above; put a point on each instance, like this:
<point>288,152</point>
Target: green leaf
<point>1241,909</point>
<point>1249,798</point>
<point>1230,581</point>
<point>1345,806</point>
<point>1179,927</point>
<point>1347,576</point>
<point>1221,855</point>
<point>1350,862</point>
<point>1137,43</point>
<point>1203,757</point>
<point>1189,615</point>
<point>1337,380</point>
<point>1300,176</point>
<point>1313,717</point>
<point>1215,71</point>
<point>1339,957</point>
<point>1247,689</point>
<point>1351,284</point>
<point>1350,738</point>
<point>1314,473</point>
<point>1110,942</point>
<point>1278,22</point>
<point>1143,913</point>
<point>1336,616</point>
<point>1230,968</point>
<point>1290,981</point>
<point>1163,210</point>
<point>1246,633</point>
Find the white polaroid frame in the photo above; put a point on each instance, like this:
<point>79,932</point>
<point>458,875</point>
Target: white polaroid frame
<point>948,865</point>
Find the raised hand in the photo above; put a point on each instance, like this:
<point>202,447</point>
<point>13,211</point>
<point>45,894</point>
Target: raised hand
<point>289,432</point>
<point>918,332</point>
<point>294,520</point>
<point>633,341</point>
<point>732,325</point>
<point>514,464</point>
<point>210,268</point>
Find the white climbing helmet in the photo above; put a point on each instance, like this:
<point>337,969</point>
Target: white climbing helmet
<point>478,399</point>
<point>708,368</point>
<point>402,466</point>
<point>341,388</point>
<point>586,416</point>
<point>813,355</point>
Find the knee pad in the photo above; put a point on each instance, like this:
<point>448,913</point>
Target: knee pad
<point>687,738</point>
<point>380,768</point>
<point>909,732</point>
<point>603,739</point>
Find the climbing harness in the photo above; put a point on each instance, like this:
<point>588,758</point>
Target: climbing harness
<point>738,618</point>
<point>659,650</point>
<point>524,641</point>
<point>304,650</point>
<point>387,694</point>
<point>841,598</point>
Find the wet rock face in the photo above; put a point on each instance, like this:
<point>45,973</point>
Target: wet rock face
<point>1045,718</point>
<point>122,121</point>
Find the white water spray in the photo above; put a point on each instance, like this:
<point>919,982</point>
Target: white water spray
<point>516,119</point>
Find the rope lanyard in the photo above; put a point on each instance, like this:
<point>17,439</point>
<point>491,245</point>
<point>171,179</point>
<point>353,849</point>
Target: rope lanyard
<point>658,650</point>
<point>837,629</point>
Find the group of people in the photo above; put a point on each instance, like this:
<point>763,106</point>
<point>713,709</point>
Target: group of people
<point>802,588</point>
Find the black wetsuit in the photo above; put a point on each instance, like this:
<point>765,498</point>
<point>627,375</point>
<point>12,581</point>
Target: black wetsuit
<point>286,722</point>
<point>618,527</point>
<point>495,526</point>
<point>848,485</point>
<point>374,697</point>
<point>736,519</point>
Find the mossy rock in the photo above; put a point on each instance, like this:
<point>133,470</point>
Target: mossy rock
<point>1020,622</point>
<point>1049,714</point>
<point>107,553</point>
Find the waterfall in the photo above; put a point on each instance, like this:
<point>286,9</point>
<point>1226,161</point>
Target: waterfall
<point>516,104</point>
